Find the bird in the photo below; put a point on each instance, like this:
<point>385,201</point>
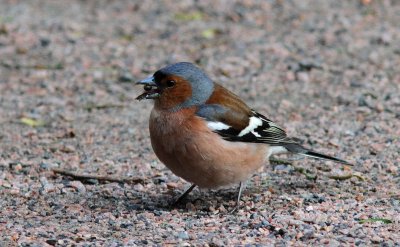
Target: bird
<point>208,135</point>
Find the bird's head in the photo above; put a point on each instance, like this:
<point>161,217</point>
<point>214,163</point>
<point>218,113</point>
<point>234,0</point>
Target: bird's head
<point>177,86</point>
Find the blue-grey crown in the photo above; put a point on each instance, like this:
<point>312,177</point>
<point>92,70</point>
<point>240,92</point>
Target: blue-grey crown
<point>202,86</point>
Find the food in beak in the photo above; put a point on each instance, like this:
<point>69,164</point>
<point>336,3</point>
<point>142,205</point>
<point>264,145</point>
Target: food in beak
<point>151,92</point>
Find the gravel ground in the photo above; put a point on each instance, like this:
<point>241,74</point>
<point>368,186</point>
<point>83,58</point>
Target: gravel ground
<point>328,71</point>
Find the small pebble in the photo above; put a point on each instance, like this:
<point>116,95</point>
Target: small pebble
<point>172,185</point>
<point>78,186</point>
<point>309,208</point>
<point>183,235</point>
<point>46,186</point>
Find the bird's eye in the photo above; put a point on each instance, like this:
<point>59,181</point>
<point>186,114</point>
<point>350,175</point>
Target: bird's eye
<point>171,83</point>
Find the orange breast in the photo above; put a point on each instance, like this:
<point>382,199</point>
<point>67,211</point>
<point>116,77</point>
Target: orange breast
<point>183,142</point>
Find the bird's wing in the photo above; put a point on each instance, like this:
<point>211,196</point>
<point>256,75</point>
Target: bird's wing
<point>255,128</point>
<point>227,115</point>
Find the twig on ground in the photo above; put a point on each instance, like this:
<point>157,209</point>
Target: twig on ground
<point>347,176</point>
<point>276,161</point>
<point>303,171</point>
<point>311,176</point>
<point>90,107</point>
<point>100,178</point>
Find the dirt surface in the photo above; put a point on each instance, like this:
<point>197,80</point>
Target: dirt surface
<point>328,71</point>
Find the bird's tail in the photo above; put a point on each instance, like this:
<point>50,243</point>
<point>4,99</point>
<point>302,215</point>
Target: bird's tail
<point>298,149</point>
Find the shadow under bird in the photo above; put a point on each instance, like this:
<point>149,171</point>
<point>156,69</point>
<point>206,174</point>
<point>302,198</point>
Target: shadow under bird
<point>206,134</point>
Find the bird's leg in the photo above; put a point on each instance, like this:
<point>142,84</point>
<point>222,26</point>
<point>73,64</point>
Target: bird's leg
<point>177,201</point>
<point>241,187</point>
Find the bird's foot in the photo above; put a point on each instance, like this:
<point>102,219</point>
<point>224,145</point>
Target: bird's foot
<point>181,197</point>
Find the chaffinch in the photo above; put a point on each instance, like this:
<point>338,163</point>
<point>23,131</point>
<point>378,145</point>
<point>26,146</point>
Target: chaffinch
<point>206,134</point>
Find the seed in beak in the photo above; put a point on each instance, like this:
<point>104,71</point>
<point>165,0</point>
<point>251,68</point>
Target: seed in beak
<point>147,87</point>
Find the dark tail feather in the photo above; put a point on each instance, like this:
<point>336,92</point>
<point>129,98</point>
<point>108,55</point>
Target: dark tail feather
<point>325,157</point>
<point>298,149</point>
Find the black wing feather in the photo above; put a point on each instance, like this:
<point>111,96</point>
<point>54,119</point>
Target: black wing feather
<point>267,132</point>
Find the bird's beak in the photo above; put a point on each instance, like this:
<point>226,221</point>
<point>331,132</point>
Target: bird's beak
<point>152,91</point>
<point>148,81</point>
